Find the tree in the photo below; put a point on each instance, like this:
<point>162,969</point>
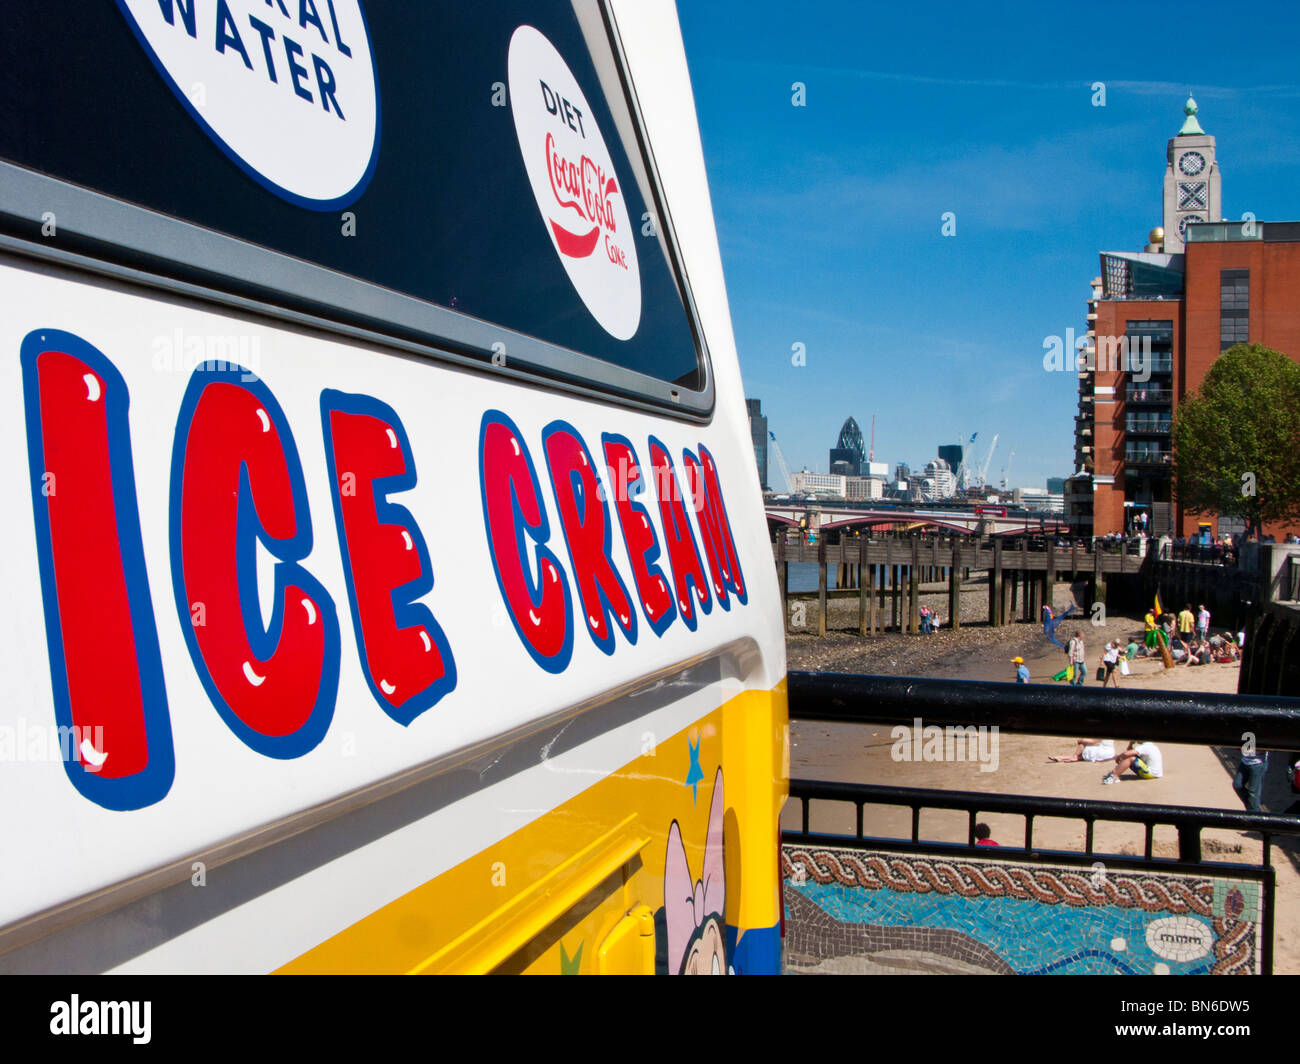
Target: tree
<point>1237,441</point>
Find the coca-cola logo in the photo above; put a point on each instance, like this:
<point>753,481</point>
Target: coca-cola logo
<point>573,180</point>
<point>585,181</point>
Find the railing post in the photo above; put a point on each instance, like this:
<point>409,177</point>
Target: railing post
<point>1189,843</point>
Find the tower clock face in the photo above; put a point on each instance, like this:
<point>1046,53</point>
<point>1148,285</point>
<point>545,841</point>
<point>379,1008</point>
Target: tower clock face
<point>1185,221</point>
<point>1192,162</point>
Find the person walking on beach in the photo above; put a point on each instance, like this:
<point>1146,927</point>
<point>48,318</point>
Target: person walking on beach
<point>1078,659</point>
<point>1203,622</point>
<point>1110,661</point>
<point>1143,757</point>
<point>1022,670</point>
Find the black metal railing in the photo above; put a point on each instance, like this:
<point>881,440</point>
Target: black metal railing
<point>1188,821</point>
<point>1040,709</point>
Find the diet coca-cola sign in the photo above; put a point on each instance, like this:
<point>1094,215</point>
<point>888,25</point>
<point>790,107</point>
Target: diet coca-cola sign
<point>578,193</point>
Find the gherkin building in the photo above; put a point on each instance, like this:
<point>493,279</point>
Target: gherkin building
<point>849,455</point>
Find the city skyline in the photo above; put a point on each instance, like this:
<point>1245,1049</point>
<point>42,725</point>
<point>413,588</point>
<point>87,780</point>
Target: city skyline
<point>835,172</point>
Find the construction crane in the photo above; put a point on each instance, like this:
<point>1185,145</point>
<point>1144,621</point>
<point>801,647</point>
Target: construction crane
<point>775,451</point>
<point>1006,473</point>
<point>984,469</point>
<point>960,473</point>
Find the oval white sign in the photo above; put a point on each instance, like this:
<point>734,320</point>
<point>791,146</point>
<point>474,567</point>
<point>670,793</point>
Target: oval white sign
<point>573,180</point>
<point>1179,938</point>
<point>286,88</point>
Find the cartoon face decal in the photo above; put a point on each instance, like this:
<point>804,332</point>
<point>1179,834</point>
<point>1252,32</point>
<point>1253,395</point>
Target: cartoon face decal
<point>695,911</point>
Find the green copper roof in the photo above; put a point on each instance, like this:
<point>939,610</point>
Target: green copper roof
<point>1190,125</point>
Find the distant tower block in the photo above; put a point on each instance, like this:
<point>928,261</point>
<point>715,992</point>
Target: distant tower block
<point>849,455</point>
<point>1192,181</point>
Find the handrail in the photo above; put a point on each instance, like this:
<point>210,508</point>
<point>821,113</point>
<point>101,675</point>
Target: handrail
<point>1040,709</point>
<point>1189,821</point>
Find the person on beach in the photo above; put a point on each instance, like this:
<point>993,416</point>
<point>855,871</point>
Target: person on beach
<point>1151,630</point>
<point>1088,750</point>
<point>1186,622</point>
<point>1142,757</point>
<point>982,835</point>
<point>1249,780</point>
<point>1022,670</point>
<point>1110,661</point>
<point>1203,622</point>
<point>1078,656</point>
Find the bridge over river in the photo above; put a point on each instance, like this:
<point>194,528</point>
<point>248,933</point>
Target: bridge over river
<point>977,520</point>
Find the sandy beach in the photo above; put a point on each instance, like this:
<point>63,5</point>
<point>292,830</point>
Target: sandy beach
<point>1194,775</point>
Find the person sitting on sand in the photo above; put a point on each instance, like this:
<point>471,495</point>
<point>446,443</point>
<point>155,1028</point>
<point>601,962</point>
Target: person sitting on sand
<point>1088,750</point>
<point>1142,757</point>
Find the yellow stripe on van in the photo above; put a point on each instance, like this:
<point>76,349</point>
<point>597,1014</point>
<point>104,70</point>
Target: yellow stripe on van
<point>577,889</point>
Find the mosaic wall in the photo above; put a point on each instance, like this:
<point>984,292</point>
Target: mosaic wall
<point>862,911</point>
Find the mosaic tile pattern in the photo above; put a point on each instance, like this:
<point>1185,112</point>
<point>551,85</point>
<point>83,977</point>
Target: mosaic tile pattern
<point>850,910</point>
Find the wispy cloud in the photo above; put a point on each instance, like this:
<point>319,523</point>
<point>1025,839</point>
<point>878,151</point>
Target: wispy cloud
<point>1139,87</point>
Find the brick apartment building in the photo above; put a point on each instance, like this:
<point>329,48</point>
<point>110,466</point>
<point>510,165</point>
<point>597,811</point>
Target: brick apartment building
<point>1157,321</point>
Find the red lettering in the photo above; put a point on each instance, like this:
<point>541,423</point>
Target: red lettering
<point>408,663</point>
<point>639,534</point>
<point>683,553</point>
<point>105,666</point>
<point>237,482</point>
<point>584,517</point>
<point>540,608</point>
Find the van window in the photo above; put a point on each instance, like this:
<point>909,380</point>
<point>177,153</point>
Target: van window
<point>445,236</point>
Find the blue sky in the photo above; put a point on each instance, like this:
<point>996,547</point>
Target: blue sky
<point>829,215</point>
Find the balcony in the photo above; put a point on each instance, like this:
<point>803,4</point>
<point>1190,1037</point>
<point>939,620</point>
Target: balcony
<point>1148,457</point>
<point>1140,393</point>
<point>1161,365</point>
<point>1153,424</point>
